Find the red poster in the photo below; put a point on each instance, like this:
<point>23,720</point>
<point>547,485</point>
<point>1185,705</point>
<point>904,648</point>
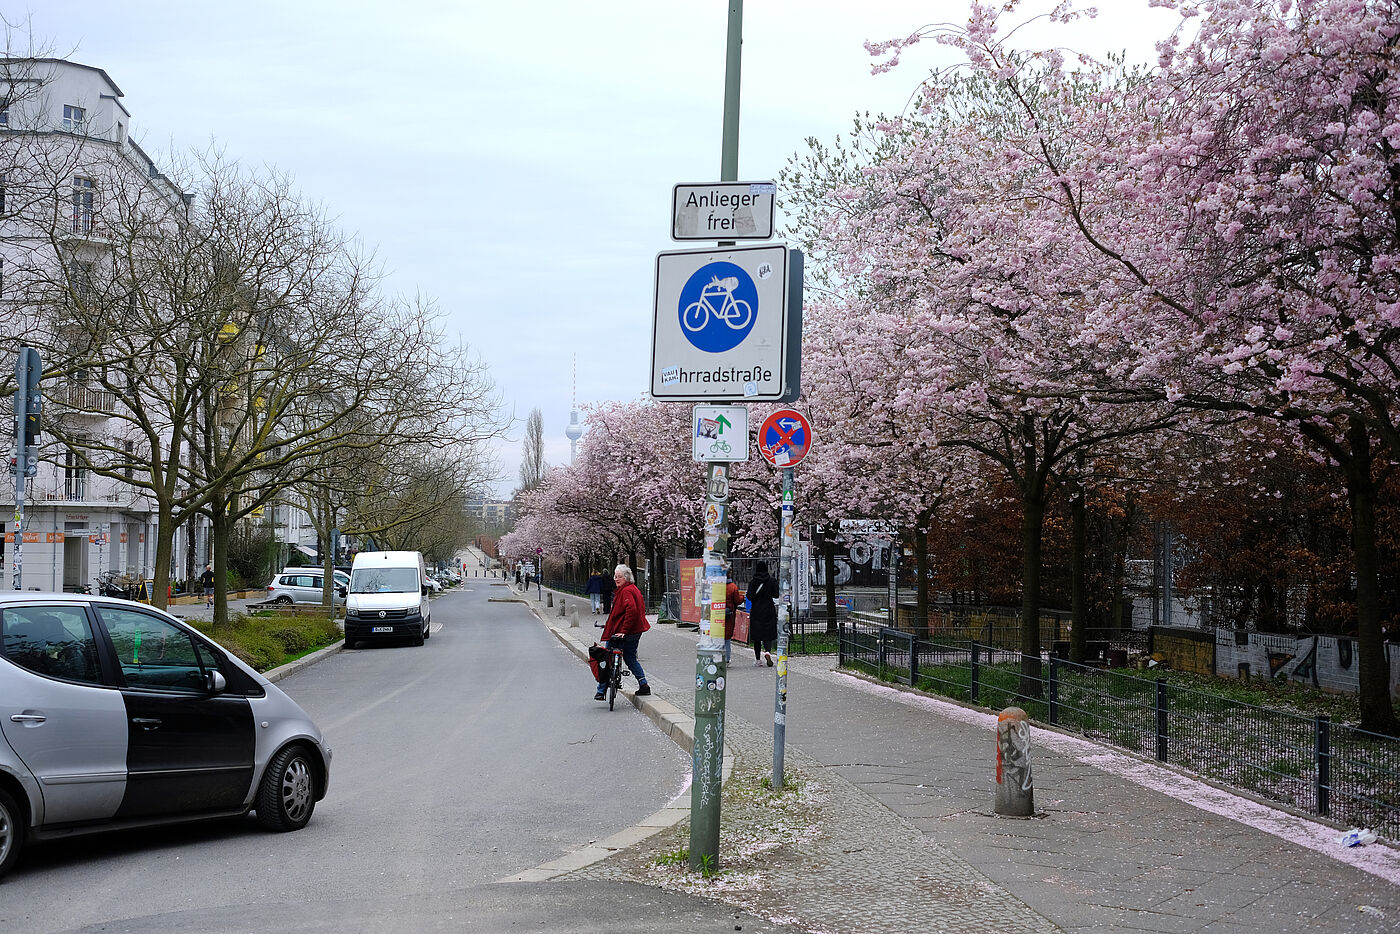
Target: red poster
<point>692,575</point>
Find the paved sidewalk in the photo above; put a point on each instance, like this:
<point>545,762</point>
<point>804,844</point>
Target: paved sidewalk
<point>892,828</point>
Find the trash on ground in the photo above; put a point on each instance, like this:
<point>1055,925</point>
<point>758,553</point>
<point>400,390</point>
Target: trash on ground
<point>1357,836</point>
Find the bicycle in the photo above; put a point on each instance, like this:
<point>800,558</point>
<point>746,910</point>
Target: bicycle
<point>615,671</point>
<point>734,312</point>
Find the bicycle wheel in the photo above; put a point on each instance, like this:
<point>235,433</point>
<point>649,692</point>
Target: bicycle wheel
<point>615,681</point>
<point>740,315</point>
<point>695,317</point>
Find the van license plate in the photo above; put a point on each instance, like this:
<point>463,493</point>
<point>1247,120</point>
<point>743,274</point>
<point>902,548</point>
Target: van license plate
<point>382,629</point>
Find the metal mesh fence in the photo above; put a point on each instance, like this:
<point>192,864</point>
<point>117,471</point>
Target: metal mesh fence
<point>1305,762</point>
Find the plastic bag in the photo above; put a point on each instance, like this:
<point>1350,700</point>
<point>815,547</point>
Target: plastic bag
<point>1357,836</point>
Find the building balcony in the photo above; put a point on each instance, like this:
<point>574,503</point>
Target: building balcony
<point>84,400</point>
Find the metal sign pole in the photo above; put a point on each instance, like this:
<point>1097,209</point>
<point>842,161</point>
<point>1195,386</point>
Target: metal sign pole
<point>786,559</point>
<point>28,372</point>
<point>707,755</point>
<point>16,555</point>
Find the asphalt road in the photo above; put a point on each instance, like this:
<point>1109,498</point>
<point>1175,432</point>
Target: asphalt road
<point>467,760</point>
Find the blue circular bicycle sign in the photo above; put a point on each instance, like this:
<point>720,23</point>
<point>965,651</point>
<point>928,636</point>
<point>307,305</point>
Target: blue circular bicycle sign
<point>718,307</point>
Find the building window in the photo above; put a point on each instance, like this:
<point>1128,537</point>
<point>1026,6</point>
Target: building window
<point>81,280</point>
<point>2,192</point>
<point>73,118</point>
<point>130,448</point>
<point>4,119</point>
<point>74,477</point>
<point>84,191</point>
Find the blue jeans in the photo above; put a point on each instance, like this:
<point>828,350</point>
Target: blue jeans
<point>628,644</point>
<point>597,599</point>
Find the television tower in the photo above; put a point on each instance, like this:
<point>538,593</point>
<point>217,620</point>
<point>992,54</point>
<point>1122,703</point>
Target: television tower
<point>575,430</point>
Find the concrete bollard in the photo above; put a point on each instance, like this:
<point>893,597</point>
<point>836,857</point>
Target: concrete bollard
<point>561,608</point>
<point>551,599</point>
<point>1015,793</point>
<point>573,619</point>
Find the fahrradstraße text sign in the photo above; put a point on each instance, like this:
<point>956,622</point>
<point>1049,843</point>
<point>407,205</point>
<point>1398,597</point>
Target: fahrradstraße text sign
<point>720,326</point>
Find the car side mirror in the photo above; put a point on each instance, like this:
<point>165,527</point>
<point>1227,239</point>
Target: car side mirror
<point>215,682</point>
<point>341,591</point>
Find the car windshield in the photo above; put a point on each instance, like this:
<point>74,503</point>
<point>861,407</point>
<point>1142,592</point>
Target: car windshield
<point>384,580</point>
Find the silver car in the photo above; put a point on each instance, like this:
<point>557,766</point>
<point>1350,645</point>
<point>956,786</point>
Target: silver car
<point>304,585</point>
<point>115,714</point>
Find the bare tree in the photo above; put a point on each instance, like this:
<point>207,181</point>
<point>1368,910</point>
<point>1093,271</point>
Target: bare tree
<point>532,452</point>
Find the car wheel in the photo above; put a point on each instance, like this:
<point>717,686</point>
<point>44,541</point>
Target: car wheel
<point>428,630</point>
<point>418,637</point>
<point>12,824</point>
<point>283,600</point>
<point>287,795</point>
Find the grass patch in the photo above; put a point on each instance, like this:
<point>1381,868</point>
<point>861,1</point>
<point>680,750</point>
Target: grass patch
<point>674,857</point>
<point>265,642</point>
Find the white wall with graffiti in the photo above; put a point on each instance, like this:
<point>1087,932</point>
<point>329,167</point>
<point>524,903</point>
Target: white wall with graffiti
<point>1326,662</point>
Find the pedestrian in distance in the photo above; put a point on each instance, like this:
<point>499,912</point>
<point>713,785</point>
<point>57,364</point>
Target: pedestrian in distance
<point>595,590</point>
<point>763,614</point>
<point>608,588</point>
<point>206,580</point>
<point>517,577</point>
<point>732,598</point>
<point>626,622</point>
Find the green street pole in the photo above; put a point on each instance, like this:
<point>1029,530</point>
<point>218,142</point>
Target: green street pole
<point>707,750</point>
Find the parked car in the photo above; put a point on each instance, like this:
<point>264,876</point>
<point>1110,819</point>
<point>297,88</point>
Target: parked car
<point>388,598</point>
<point>116,714</point>
<point>304,585</point>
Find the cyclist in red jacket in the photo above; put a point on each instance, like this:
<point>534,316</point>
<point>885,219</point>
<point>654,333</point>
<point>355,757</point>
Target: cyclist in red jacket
<point>624,628</point>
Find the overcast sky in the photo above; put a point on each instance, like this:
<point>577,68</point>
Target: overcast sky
<point>512,160</point>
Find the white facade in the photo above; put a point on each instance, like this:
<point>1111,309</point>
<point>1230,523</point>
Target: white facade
<point>68,120</point>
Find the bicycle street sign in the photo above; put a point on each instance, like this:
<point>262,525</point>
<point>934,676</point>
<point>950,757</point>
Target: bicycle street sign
<point>720,326</point>
<point>720,433</point>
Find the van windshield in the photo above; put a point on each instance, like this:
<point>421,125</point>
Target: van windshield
<point>384,580</point>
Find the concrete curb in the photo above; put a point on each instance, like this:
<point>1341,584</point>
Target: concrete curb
<point>277,674</point>
<point>676,724</point>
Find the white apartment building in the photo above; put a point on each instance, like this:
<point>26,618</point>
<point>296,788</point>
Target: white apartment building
<point>65,124</point>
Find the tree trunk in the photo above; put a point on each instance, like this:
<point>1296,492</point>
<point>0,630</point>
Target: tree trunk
<point>921,563</point>
<point>829,571</point>
<point>219,530</point>
<point>1078,584</point>
<point>1032,528</point>
<point>165,548</point>
<point>1377,712</point>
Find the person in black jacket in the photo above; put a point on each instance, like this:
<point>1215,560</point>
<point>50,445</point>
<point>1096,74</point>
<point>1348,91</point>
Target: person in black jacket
<point>609,588</point>
<point>763,614</point>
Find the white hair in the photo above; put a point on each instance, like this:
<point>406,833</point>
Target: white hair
<point>625,571</point>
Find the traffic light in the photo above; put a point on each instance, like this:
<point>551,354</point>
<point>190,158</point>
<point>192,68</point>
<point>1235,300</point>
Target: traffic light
<point>28,371</point>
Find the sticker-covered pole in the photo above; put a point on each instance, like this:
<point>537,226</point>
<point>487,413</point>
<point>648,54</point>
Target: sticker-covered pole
<point>785,613</point>
<point>707,750</point>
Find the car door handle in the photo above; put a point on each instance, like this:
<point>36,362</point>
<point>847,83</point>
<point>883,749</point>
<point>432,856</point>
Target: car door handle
<point>146,723</point>
<point>28,718</point>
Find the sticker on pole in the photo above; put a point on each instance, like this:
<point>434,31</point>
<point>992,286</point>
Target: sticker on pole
<point>784,438</point>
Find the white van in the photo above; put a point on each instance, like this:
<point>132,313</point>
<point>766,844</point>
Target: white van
<point>388,597</point>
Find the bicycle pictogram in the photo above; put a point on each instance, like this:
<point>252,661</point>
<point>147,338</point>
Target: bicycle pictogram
<point>734,312</point>
<point>718,307</point>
